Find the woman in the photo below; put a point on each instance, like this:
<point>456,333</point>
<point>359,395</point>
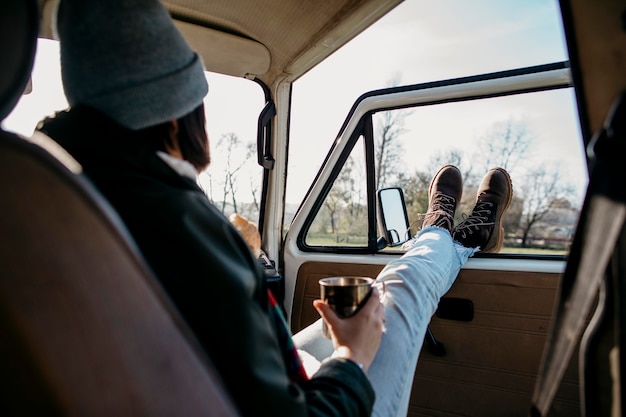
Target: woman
<point>137,128</point>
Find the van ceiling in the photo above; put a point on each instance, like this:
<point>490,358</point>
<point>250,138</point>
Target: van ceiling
<point>272,39</point>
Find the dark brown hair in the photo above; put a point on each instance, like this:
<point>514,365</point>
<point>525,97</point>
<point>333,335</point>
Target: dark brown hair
<point>192,138</point>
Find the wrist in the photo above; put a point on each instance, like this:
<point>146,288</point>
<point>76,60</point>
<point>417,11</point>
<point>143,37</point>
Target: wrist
<point>345,353</point>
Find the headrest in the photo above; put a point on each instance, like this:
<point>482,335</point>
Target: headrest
<point>19,22</point>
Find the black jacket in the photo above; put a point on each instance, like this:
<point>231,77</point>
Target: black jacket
<point>208,271</point>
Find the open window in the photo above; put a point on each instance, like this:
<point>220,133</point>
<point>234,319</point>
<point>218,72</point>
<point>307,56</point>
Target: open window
<point>233,180</point>
<point>342,218</point>
<point>524,121</point>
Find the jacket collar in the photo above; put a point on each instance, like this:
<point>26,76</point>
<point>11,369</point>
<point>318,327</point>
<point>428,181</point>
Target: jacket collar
<point>182,167</point>
<point>108,151</point>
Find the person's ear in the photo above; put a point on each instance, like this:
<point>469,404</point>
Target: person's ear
<point>172,145</point>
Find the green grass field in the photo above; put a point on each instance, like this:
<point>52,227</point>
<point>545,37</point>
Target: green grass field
<point>360,241</point>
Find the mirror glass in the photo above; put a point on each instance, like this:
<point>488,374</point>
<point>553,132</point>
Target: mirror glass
<point>393,219</point>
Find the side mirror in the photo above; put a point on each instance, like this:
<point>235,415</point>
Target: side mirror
<point>392,216</point>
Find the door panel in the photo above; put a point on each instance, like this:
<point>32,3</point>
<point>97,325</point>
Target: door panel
<point>491,362</point>
<point>308,289</point>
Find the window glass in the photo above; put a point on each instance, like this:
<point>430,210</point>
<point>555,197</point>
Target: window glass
<point>416,42</point>
<point>232,181</point>
<point>342,218</point>
<point>46,94</point>
<point>534,136</point>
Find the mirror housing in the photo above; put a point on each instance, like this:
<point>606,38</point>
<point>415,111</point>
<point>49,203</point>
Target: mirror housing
<point>393,220</point>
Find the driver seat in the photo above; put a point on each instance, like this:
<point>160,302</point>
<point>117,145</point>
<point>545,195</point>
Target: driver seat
<point>85,328</point>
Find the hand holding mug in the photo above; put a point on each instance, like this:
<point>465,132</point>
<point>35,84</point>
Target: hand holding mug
<point>353,317</point>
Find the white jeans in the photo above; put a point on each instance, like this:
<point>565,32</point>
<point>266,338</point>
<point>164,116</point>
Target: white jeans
<point>414,284</point>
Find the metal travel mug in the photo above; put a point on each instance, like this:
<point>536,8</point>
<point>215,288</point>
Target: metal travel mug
<point>345,295</point>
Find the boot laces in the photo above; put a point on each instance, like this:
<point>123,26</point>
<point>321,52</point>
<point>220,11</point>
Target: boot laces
<point>442,210</point>
<point>479,217</point>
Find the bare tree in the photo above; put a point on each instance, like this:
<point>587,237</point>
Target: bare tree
<point>254,188</point>
<point>544,191</point>
<point>444,157</point>
<point>233,147</point>
<point>513,216</point>
<point>388,150</point>
<point>253,208</point>
<point>332,205</point>
<point>505,144</point>
<point>343,200</point>
<point>340,194</point>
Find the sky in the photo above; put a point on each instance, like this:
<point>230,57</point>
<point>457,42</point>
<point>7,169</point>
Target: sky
<point>417,42</point>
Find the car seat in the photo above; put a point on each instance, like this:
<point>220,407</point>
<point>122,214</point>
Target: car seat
<point>85,328</point>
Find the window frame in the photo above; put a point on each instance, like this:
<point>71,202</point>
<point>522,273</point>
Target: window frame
<point>364,131</point>
<point>522,80</point>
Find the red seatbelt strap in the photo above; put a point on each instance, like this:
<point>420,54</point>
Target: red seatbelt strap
<point>295,369</point>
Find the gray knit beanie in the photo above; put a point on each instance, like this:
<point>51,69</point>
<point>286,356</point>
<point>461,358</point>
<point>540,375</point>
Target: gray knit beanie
<point>127,59</point>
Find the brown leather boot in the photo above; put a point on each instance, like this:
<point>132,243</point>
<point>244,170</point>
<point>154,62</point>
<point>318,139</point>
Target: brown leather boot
<point>483,228</point>
<point>443,194</point>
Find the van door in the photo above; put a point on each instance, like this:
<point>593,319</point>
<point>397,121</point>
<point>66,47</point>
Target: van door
<point>524,120</point>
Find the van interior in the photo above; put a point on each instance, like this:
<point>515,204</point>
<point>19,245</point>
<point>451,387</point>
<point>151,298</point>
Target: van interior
<point>520,332</point>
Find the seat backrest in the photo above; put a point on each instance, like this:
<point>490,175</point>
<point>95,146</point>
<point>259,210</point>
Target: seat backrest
<point>85,329</point>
